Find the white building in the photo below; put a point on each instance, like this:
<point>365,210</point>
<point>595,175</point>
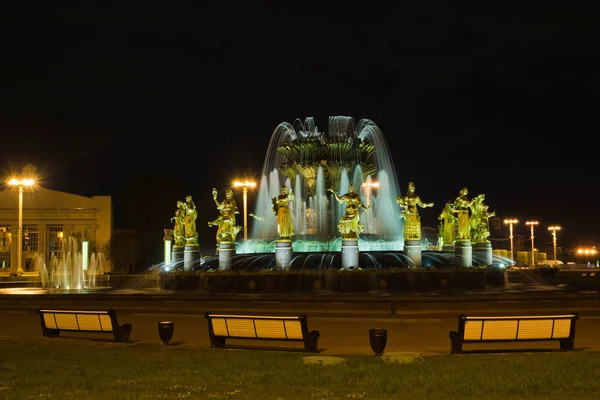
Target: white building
<point>50,216</point>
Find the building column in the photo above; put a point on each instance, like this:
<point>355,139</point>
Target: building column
<point>14,229</point>
<point>43,245</point>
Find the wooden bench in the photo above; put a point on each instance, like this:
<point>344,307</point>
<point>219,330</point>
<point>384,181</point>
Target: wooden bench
<point>103,321</point>
<point>262,327</point>
<point>559,327</point>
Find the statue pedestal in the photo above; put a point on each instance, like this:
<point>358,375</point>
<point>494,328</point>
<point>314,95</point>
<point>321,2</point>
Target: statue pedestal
<point>176,256</point>
<point>350,253</point>
<point>283,253</point>
<point>191,257</point>
<point>448,247</point>
<point>412,249</point>
<point>226,253</point>
<point>464,253</point>
<point>482,254</point>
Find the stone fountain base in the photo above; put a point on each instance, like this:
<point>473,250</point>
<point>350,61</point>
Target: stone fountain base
<point>399,280</point>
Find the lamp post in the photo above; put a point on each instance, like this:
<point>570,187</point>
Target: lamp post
<point>553,229</point>
<point>245,185</point>
<point>369,186</point>
<point>20,184</point>
<point>510,222</point>
<point>532,224</point>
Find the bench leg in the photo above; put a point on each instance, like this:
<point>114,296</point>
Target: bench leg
<point>123,334</point>
<point>312,342</point>
<point>217,341</point>
<point>51,332</point>
<point>567,344</point>
<point>455,343</point>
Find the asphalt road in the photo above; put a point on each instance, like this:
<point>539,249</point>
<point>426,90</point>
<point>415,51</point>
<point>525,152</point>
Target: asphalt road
<point>341,332</point>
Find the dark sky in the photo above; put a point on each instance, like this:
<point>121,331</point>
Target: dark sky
<point>150,101</point>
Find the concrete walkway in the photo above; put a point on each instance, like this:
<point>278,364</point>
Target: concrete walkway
<point>340,332</point>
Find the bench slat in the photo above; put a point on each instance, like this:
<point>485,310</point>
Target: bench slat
<point>66,321</point>
<point>536,329</point>
<point>270,329</point>
<point>562,328</point>
<point>241,328</point>
<point>520,317</point>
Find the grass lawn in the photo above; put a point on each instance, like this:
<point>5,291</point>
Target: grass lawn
<point>67,368</point>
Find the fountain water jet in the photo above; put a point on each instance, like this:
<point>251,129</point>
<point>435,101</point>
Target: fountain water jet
<point>311,162</point>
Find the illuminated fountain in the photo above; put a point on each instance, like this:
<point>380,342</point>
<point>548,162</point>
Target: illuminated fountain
<point>310,162</point>
<point>74,269</point>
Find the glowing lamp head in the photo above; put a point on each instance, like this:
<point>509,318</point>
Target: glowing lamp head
<point>511,221</point>
<point>244,184</point>
<point>554,228</point>
<point>21,182</point>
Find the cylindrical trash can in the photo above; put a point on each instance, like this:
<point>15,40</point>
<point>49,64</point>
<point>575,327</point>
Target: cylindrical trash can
<point>378,340</point>
<point>165,331</point>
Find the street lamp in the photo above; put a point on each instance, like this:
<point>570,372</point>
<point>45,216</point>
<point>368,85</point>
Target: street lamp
<point>369,185</point>
<point>20,184</point>
<point>245,185</point>
<point>532,224</point>
<point>510,222</point>
<point>553,229</point>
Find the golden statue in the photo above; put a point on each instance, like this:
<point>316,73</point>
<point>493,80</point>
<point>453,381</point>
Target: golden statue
<point>410,212</point>
<point>461,208</point>
<point>226,222</point>
<point>189,221</point>
<point>475,218</point>
<point>285,225</point>
<point>485,223</point>
<point>349,225</point>
<point>480,215</point>
<point>178,227</point>
<point>447,225</point>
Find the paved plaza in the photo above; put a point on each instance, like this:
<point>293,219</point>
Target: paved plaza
<point>343,329</point>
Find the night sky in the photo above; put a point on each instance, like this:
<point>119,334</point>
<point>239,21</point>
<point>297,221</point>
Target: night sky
<point>149,102</point>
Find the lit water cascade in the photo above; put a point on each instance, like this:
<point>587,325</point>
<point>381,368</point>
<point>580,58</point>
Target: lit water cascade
<point>309,162</point>
<point>91,272</point>
<point>39,265</point>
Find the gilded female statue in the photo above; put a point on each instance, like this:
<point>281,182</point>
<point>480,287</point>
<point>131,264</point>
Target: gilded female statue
<point>226,221</point>
<point>461,208</point>
<point>285,225</point>
<point>410,213</point>
<point>475,218</point>
<point>178,227</point>
<point>191,237</point>
<point>350,226</point>
<point>448,225</point>
<point>485,223</point>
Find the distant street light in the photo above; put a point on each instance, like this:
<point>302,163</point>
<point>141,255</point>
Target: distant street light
<point>586,252</point>
<point>20,183</point>
<point>553,229</point>
<point>510,222</point>
<point>532,224</point>
<point>245,185</point>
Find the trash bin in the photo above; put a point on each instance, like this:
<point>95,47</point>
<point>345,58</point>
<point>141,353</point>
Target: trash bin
<point>165,331</point>
<point>378,340</point>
